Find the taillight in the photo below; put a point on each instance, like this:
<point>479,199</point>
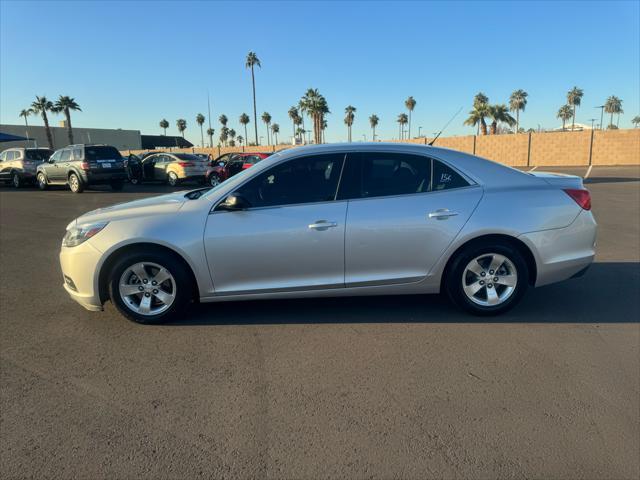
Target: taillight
<point>246,165</point>
<point>581,197</point>
<point>185,164</point>
<point>85,165</point>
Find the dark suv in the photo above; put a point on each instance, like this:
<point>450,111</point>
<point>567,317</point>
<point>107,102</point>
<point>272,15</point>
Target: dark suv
<point>81,166</point>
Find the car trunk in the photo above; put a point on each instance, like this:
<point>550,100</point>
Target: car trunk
<point>104,160</point>
<point>560,180</point>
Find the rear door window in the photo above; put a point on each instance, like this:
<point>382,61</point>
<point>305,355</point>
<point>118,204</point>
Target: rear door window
<point>445,178</point>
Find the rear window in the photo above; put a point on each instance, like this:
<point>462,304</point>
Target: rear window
<point>40,155</point>
<point>189,157</point>
<point>101,153</point>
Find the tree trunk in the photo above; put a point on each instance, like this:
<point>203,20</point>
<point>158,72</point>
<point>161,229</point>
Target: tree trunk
<point>409,136</point>
<point>47,130</point>
<point>255,115</point>
<point>202,136</point>
<point>494,127</point>
<point>563,123</point>
<point>165,132</point>
<point>67,115</point>
<point>483,126</point>
<point>573,122</point>
<point>517,120</point>
<point>618,121</point>
<point>611,122</point>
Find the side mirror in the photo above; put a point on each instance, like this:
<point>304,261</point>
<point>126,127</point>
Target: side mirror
<point>51,160</point>
<point>234,202</point>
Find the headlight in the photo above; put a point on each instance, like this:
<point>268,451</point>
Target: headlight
<point>81,233</point>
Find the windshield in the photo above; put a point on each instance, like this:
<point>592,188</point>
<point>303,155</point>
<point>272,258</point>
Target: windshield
<point>101,153</point>
<point>40,154</point>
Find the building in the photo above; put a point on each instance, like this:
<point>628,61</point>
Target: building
<point>121,139</point>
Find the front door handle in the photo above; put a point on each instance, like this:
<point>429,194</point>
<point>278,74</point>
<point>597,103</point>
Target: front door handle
<point>442,214</point>
<point>322,225</point>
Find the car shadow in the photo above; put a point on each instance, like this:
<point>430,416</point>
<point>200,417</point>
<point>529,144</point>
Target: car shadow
<point>607,293</point>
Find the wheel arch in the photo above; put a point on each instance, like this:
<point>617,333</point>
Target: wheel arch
<point>109,262</point>
<point>512,241</point>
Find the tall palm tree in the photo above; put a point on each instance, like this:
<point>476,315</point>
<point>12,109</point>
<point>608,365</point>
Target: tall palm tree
<point>253,61</point>
<point>410,103</point>
<point>479,112</point>
<point>613,105</point>
<point>500,114</point>
<point>224,135</point>
<point>164,124</point>
<point>66,104</point>
<point>636,121</point>
<point>293,115</point>
<point>275,129</point>
<point>348,119</point>
<point>298,122</point>
<point>223,120</point>
<point>200,121</point>
<point>266,118</point>
<point>24,113</point>
<point>564,113</point>
<point>240,139</point>
<point>316,106</point>
<point>210,132</point>
<point>325,124</point>
<point>574,97</point>
<point>303,111</point>
<point>244,120</point>
<point>181,123</point>
<point>232,135</point>
<point>41,106</point>
<point>403,119</point>
<point>517,102</point>
<point>373,121</point>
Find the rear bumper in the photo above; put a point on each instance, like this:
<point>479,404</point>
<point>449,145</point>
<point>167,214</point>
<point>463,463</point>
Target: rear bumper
<point>79,266</point>
<point>104,178</point>
<point>563,253</point>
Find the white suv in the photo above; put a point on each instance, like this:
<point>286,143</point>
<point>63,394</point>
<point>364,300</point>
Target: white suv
<point>18,165</point>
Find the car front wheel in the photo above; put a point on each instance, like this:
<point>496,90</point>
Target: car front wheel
<point>172,178</point>
<point>214,180</point>
<point>150,287</point>
<point>42,181</point>
<point>16,180</point>
<point>487,279</point>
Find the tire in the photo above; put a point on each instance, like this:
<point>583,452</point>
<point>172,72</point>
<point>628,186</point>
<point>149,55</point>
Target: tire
<point>117,186</point>
<point>214,180</point>
<point>134,181</point>
<point>172,179</point>
<point>177,289</point>
<point>42,181</point>
<point>474,267</point>
<point>75,184</point>
<point>16,181</point>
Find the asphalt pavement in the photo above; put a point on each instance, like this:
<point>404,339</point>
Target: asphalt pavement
<point>384,387</point>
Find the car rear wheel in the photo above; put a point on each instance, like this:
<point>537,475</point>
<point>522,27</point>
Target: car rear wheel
<point>75,184</point>
<point>150,288</point>
<point>487,279</point>
<point>214,180</point>
<point>42,181</point>
<point>16,180</point>
<point>172,178</point>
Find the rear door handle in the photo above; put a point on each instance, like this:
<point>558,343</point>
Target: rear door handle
<point>322,225</point>
<point>442,214</point>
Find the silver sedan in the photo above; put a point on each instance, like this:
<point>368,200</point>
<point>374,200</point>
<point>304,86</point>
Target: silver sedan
<point>337,220</point>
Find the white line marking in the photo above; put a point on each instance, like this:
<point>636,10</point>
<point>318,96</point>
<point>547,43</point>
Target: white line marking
<point>588,171</point>
<point>533,169</point>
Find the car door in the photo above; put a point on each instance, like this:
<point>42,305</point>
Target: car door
<point>290,238</point>
<point>160,167</point>
<point>50,165</point>
<point>404,210</point>
<point>5,166</point>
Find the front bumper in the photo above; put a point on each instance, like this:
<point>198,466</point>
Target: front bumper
<point>563,253</point>
<point>79,272</point>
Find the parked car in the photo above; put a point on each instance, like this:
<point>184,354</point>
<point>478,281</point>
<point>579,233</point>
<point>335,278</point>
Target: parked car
<point>229,164</point>
<point>337,220</point>
<point>82,166</point>
<point>18,165</point>
<point>172,168</point>
<point>204,156</point>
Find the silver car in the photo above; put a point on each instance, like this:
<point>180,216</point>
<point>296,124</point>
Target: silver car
<point>19,165</point>
<point>337,220</point>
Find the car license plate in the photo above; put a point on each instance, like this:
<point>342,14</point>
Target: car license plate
<point>106,165</point>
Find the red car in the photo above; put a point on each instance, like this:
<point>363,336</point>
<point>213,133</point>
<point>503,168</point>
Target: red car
<point>227,165</point>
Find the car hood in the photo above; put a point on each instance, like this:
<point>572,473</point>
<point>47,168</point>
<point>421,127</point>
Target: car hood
<point>160,205</point>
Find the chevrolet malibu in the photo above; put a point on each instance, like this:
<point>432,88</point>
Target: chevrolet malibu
<point>336,220</point>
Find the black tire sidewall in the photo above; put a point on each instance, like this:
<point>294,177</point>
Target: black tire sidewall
<point>18,183</point>
<point>453,282</point>
<point>43,185</point>
<point>212,177</point>
<point>184,286</point>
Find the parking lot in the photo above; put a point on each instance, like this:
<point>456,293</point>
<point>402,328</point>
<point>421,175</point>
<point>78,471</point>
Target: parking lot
<point>386,387</point>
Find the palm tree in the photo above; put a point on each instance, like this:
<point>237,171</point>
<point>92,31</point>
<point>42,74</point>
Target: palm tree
<point>348,119</point>
<point>300,132</point>
<point>24,113</point>
<point>613,105</point>
<point>403,119</point>
<point>200,121</point>
<point>240,139</point>
<point>410,103</point>
<point>210,132</point>
<point>574,96</point>
<point>316,106</point>
<point>500,113</point>
<point>244,120</point>
<point>517,102</point>
<point>564,113</point>
<point>293,115</point>
<point>479,112</point>
<point>266,118</point>
<point>275,129</point>
<point>251,61</point>
<point>41,106</point>
<point>223,120</point>
<point>636,121</point>
<point>303,110</point>
<point>181,123</point>
<point>325,124</point>
<point>373,121</point>
<point>66,104</point>
<point>224,135</point>
<point>232,135</point>
<point>298,122</point>
<point>164,124</point>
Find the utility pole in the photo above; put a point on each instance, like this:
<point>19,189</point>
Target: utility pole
<point>601,107</point>
<point>592,120</point>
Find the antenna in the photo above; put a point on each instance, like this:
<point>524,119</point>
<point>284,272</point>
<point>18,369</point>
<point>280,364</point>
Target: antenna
<point>446,125</point>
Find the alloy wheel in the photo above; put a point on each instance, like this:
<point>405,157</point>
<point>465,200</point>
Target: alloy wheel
<point>16,180</point>
<point>214,180</point>
<point>489,279</point>
<point>147,288</point>
<point>74,183</point>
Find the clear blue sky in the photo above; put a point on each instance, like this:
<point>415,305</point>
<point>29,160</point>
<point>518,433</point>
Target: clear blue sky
<point>131,64</point>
